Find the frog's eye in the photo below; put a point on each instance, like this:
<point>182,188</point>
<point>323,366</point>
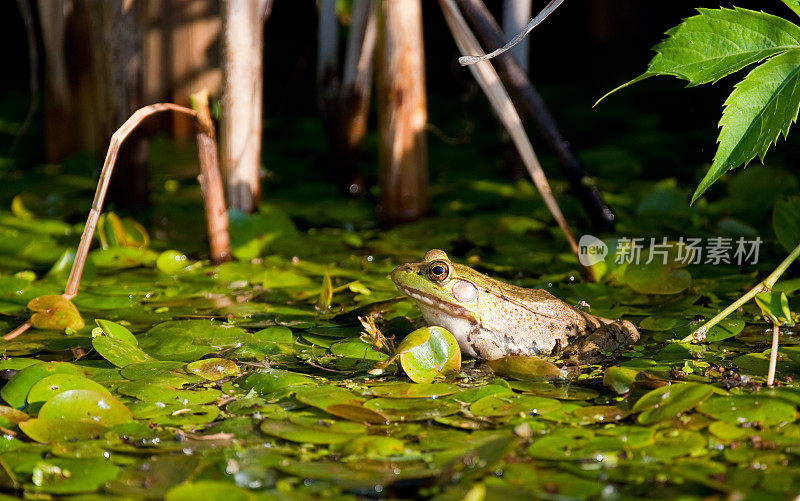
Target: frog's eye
<point>438,271</point>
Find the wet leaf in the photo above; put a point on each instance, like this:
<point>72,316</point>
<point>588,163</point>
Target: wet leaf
<point>55,312</point>
<point>15,392</point>
<point>339,402</point>
<point>526,368</point>
<point>600,414</point>
<point>57,430</point>
<point>411,390</point>
<point>670,401</point>
<point>86,405</point>
<point>314,432</point>
<point>116,331</point>
<point>428,353</point>
<point>507,405</point>
<point>774,306</point>
<point>268,380</point>
<point>119,352</point>
<point>208,490</point>
<point>749,409</point>
<point>172,261</point>
<point>214,369</point>
<point>50,386</point>
<point>412,409</point>
<point>72,476</point>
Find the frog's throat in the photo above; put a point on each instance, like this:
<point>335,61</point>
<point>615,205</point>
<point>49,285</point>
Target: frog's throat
<point>432,302</point>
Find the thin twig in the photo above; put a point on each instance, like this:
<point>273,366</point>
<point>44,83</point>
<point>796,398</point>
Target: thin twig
<point>773,356</point>
<point>549,8</point>
<point>19,330</point>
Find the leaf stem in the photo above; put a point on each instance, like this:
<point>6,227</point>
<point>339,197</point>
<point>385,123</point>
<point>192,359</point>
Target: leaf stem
<point>765,285</point>
<point>773,355</point>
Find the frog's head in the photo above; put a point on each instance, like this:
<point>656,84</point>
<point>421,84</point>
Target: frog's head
<point>436,282</point>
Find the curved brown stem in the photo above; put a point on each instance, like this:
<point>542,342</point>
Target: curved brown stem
<point>215,205</point>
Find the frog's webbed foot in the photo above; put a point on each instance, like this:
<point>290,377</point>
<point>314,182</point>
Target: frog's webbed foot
<point>603,342</point>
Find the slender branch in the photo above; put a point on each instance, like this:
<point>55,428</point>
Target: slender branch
<point>212,184</point>
<point>102,187</point>
<point>19,330</point>
<point>489,81</point>
<point>773,356</point>
<point>765,285</point>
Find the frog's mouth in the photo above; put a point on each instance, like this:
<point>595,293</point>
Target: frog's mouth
<point>432,302</point>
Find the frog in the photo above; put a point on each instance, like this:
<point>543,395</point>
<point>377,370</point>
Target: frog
<point>492,319</point>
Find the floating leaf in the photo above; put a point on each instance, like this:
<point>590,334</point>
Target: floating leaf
<point>526,368</point>
<point>72,476</point>
<point>57,430</point>
<point>620,379</point>
<point>55,312</point>
<point>670,401</point>
<point>15,392</point>
<point>410,390</point>
<point>749,409</point>
<point>317,432</point>
<point>50,386</point>
<point>268,380</point>
<point>172,261</point>
<point>214,369</point>
<point>661,273</point>
<point>507,405</point>
<point>208,490</point>
<point>86,405</point>
<point>118,352</point>
<point>412,409</point>
<point>725,328</point>
<point>600,414</point>
<point>428,353</point>
<point>117,331</point>
<point>339,402</point>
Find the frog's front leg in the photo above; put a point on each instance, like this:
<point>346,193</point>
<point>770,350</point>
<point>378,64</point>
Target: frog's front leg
<point>604,340</point>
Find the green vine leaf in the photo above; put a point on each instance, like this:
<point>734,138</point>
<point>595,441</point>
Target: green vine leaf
<point>794,5</point>
<point>761,108</point>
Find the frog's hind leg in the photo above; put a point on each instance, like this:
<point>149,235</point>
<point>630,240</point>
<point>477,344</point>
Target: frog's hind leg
<point>609,337</point>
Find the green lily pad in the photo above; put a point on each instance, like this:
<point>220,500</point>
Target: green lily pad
<point>154,477</point>
<point>428,353</point>
<point>664,274</point>
<point>412,409</point>
<point>208,490</point>
<point>57,430</point>
<point>268,380</point>
<point>15,392</point>
<point>574,445</point>
<point>316,432</point>
<point>526,368</point>
<point>670,401</point>
<point>214,369</point>
<point>566,391</point>
<point>50,386</point>
<point>172,261</point>
<point>119,352</point>
<point>749,409</point>
<point>86,405</point>
<point>150,369</point>
<point>507,405</point>
<point>55,312</point>
<point>600,414</point>
<point>726,328</point>
<point>339,402</point>
<point>117,331</point>
<point>411,390</point>
<point>72,476</point>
